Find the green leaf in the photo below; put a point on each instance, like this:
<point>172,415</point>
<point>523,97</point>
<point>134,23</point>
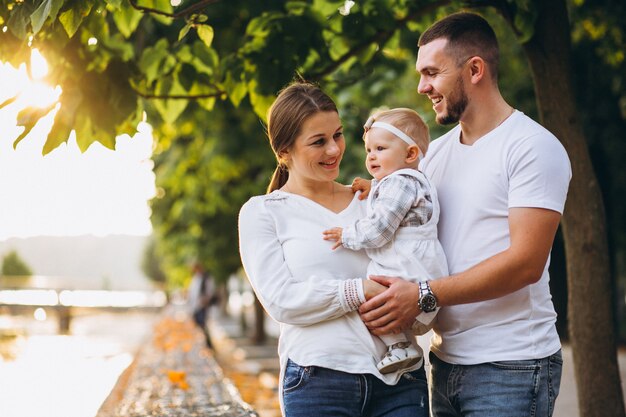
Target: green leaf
<point>367,53</point>
<point>47,8</point>
<point>19,20</point>
<point>199,18</point>
<point>28,118</point>
<point>262,25</point>
<point>204,59</point>
<point>162,5</point>
<point>183,32</point>
<point>152,59</point>
<point>184,54</point>
<point>73,14</point>
<point>260,102</point>
<point>120,46</point>
<point>338,47</point>
<point>84,132</point>
<point>127,19</point>
<point>71,99</point>
<point>207,103</point>
<point>106,138</point>
<point>325,7</point>
<point>170,109</point>
<point>59,134</point>
<point>235,86</point>
<point>296,7</point>
<point>114,3</point>
<point>205,33</point>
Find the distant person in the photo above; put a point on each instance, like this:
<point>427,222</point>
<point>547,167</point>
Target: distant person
<point>502,181</point>
<point>201,295</point>
<point>327,355</point>
<point>399,232</point>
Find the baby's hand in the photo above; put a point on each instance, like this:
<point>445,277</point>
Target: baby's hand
<point>363,185</point>
<point>335,235</point>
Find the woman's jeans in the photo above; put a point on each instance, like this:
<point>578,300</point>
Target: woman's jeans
<point>315,391</point>
<point>526,388</point>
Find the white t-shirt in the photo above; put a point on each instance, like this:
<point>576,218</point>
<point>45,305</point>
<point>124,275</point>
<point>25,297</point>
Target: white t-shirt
<point>518,164</point>
<point>300,282</point>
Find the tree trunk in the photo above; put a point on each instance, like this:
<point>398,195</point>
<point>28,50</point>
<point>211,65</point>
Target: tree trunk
<point>590,312</point>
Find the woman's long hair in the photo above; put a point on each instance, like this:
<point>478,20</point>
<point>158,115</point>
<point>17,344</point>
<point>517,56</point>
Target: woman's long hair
<point>293,106</point>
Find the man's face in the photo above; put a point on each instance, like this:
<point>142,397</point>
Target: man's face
<point>441,79</point>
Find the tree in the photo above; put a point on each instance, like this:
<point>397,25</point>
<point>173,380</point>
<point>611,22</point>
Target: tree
<point>233,56</point>
<point>584,230</point>
<point>14,265</point>
<point>207,172</point>
<point>151,264</point>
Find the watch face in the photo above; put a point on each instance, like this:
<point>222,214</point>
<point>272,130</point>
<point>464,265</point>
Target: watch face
<point>428,303</point>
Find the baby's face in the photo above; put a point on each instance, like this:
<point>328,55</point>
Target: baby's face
<point>386,153</point>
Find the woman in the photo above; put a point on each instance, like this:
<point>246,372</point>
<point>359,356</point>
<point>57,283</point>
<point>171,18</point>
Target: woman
<point>328,358</point>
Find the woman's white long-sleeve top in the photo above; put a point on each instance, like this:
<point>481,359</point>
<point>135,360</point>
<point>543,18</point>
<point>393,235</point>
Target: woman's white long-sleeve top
<point>303,284</point>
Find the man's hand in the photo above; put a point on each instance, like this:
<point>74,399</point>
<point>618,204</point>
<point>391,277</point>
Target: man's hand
<point>394,310</point>
<point>333,234</point>
<point>362,185</point>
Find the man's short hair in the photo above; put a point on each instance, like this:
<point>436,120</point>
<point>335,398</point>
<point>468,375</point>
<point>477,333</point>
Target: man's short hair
<point>468,35</point>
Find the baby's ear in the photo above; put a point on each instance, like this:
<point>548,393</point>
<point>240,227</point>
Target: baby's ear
<point>412,153</point>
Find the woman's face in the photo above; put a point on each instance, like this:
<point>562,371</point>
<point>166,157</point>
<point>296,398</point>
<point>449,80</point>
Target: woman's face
<point>316,153</point>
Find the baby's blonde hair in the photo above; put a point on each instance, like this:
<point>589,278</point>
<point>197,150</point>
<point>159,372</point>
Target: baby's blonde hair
<point>408,121</point>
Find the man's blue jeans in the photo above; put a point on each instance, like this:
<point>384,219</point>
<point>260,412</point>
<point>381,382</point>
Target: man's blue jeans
<point>321,392</point>
<point>526,388</point>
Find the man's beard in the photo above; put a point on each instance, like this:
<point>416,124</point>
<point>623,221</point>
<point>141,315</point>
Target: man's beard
<point>456,103</point>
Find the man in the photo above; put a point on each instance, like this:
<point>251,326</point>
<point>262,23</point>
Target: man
<point>502,181</point>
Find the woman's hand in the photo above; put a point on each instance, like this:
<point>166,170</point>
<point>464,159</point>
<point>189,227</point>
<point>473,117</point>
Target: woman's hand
<point>362,185</point>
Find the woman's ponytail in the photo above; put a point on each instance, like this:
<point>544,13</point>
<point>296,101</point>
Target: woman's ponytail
<point>279,178</point>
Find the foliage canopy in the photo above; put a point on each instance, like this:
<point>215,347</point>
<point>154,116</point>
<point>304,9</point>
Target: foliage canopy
<point>14,265</point>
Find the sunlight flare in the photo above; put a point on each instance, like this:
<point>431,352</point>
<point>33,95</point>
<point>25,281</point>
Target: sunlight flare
<point>39,66</point>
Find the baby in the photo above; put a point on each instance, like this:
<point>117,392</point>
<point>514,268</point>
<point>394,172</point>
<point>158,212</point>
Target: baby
<point>399,233</point>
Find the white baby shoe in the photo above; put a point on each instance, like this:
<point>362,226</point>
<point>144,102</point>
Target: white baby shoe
<point>400,355</point>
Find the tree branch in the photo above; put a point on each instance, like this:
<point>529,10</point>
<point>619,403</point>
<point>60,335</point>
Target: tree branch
<point>183,13</point>
<point>178,96</point>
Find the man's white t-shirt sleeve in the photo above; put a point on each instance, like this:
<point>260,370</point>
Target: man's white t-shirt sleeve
<point>539,174</point>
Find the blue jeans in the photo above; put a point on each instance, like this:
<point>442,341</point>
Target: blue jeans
<point>525,388</point>
<point>315,391</point>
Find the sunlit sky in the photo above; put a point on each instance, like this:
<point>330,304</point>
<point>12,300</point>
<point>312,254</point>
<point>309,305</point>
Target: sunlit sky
<point>66,192</point>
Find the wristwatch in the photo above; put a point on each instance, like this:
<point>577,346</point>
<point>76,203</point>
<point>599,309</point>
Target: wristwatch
<point>427,300</point>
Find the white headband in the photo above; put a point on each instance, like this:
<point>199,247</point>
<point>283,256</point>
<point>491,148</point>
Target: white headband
<point>400,134</point>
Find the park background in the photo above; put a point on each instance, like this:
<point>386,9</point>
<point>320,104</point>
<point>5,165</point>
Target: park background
<point>89,80</point>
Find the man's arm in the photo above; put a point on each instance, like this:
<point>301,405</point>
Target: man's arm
<point>532,233</point>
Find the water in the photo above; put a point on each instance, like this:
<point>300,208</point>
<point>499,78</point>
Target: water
<point>43,374</point>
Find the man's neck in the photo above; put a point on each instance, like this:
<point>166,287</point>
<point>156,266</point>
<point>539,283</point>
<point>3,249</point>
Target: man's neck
<point>476,122</point>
